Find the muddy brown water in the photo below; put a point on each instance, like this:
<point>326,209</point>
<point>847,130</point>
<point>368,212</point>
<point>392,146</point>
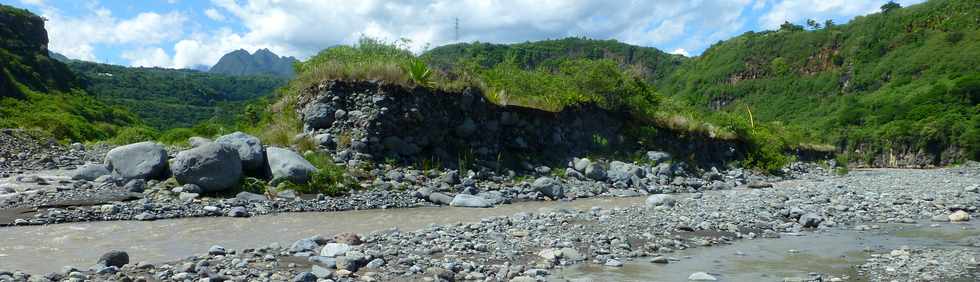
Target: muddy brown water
<point>834,253</point>
<point>43,249</point>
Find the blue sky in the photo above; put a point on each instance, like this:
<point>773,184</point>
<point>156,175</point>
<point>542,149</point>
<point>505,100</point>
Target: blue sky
<point>189,33</point>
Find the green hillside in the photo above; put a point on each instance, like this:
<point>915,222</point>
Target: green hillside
<point>168,98</point>
<point>902,78</point>
<point>650,62</point>
<point>39,92</point>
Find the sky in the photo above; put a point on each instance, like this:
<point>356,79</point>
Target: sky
<point>194,33</point>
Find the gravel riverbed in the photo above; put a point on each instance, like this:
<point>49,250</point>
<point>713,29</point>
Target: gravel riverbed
<point>530,246</point>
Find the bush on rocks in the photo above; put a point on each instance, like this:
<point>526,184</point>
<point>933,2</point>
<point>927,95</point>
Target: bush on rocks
<point>146,160</point>
<point>212,166</point>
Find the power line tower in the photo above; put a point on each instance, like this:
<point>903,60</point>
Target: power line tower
<point>457,30</point>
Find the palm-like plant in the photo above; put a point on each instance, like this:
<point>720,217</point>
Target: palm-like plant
<point>418,72</point>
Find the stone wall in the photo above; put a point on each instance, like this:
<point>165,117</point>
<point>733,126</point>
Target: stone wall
<point>905,156</point>
<point>386,122</point>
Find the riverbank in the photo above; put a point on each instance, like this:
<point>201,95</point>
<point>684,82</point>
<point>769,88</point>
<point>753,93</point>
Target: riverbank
<point>536,244</point>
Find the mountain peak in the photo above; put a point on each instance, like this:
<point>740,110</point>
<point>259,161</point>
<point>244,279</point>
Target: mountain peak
<point>262,62</point>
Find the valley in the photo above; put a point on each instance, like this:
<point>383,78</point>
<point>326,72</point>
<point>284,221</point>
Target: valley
<point>826,152</point>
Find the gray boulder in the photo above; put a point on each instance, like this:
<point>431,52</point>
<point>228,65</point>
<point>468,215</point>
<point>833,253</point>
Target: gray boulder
<point>114,258</point>
<point>213,167</point>
<point>440,198</point>
<point>657,157</point>
<point>581,164</point>
<point>810,220</point>
<point>549,187</point>
<point>595,172</point>
<point>249,149</point>
<point>334,250</point>
<point>624,172</point>
<point>288,165</point>
<point>318,115</point>
<point>90,172</point>
<point>470,201</point>
<point>145,160</point>
<point>660,200</point>
<point>250,197</point>
<point>197,141</point>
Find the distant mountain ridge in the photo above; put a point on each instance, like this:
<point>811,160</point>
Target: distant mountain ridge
<point>262,62</point>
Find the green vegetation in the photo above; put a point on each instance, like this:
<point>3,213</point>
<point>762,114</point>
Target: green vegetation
<point>906,77</point>
<point>38,92</point>
<point>168,98</point>
<point>330,179</point>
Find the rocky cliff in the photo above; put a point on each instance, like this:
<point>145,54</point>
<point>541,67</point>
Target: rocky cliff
<point>24,55</point>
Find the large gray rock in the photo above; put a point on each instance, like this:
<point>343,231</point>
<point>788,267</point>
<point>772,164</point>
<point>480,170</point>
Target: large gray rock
<point>289,165</point>
<point>318,115</point>
<point>470,201</point>
<point>90,172</point>
<point>145,160</point>
<point>114,258</point>
<point>197,141</point>
<point>249,149</point>
<point>620,171</point>
<point>660,200</point>
<point>213,167</point>
<point>549,187</point>
<point>581,164</point>
<point>657,157</point>
<point>595,172</point>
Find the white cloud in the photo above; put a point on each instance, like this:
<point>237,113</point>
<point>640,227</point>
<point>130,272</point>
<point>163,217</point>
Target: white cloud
<point>32,2</point>
<point>77,36</point>
<point>798,11</point>
<point>303,27</point>
<point>147,57</point>
<point>214,15</point>
<point>681,51</point>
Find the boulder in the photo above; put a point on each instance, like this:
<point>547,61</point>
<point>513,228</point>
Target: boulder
<point>810,220</point>
<point>197,141</point>
<point>440,198</point>
<point>249,149</point>
<point>136,185</point>
<point>470,201</point>
<point>304,277</point>
<point>250,197</point>
<point>334,250</point>
<point>595,172</point>
<point>657,157</point>
<point>624,172</point>
<point>581,164</point>
<point>288,165</point>
<point>213,167</point>
<point>701,276</point>
<point>89,172</point>
<point>660,200</point>
<point>959,215</point>
<point>145,160</point>
<point>549,187</point>
<point>318,116</point>
<point>114,258</point>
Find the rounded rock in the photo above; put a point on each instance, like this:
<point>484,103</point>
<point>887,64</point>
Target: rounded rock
<point>212,167</point>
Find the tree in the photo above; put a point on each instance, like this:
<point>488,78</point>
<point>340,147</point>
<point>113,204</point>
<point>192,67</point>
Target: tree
<point>813,24</point>
<point>828,24</point>
<point>788,26</point>
<point>890,6</point>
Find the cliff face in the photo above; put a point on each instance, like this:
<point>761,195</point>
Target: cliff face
<point>24,55</point>
<point>383,123</point>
